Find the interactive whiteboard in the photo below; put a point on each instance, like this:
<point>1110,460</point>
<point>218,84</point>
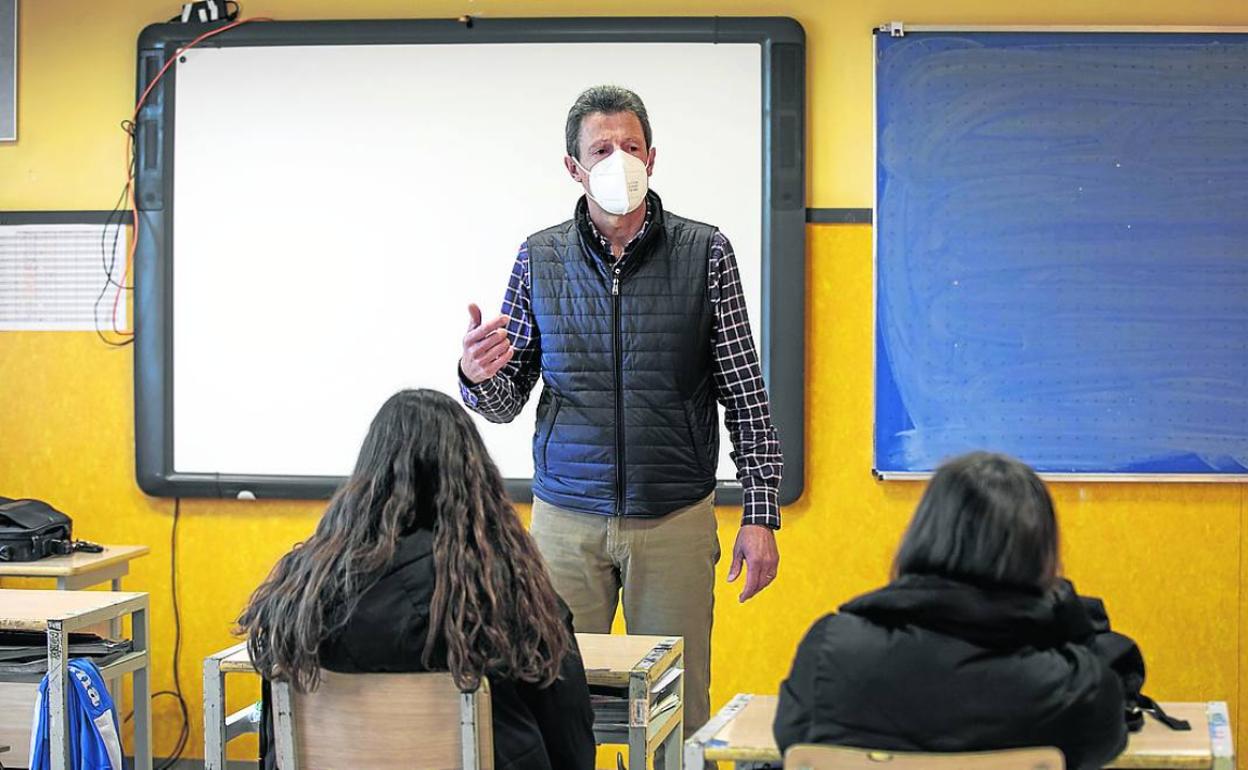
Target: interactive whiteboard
<point>330,209</point>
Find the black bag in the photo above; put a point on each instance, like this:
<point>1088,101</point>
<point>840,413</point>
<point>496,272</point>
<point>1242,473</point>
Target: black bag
<point>31,530</point>
<point>1124,657</point>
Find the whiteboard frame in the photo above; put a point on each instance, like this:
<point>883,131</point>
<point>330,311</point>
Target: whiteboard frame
<point>885,29</point>
<point>1094,28</point>
<point>780,331</point>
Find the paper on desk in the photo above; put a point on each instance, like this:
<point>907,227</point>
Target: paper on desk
<point>666,704</point>
<point>668,677</point>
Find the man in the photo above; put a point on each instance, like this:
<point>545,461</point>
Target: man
<point>635,320</point>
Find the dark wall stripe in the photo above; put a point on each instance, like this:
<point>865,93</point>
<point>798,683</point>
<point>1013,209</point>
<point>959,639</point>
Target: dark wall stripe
<point>838,216</point>
<point>62,217</point>
<point>813,216</point>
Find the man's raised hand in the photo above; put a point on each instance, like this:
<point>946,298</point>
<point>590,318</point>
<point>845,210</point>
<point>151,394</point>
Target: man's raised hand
<point>487,349</point>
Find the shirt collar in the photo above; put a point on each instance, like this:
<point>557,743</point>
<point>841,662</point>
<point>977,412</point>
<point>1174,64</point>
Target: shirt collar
<point>641,231</point>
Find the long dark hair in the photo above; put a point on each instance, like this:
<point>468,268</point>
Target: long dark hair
<point>422,465</point>
<point>984,518</point>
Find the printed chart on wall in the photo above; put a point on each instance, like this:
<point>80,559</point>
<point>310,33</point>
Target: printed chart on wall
<point>1062,251</point>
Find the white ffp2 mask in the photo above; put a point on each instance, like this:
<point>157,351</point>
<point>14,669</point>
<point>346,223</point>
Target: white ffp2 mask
<point>618,183</point>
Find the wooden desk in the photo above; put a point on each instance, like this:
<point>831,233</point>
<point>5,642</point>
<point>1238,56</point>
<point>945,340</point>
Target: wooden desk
<point>609,658</point>
<point>633,664</point>
<point>221,728</point>
<point>639,664</point>
<point>59,613</point>
<point>741,733</point>
<point>76,571</point>
<point>1207,745</point>
<point>72,572</point>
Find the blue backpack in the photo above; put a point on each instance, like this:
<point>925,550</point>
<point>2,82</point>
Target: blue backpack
<point>94,733</point>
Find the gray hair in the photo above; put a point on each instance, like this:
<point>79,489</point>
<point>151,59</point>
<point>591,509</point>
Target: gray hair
<point>608,100</point>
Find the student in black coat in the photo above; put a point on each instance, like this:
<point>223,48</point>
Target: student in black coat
<point>975,645</point>
<point>421,564</point>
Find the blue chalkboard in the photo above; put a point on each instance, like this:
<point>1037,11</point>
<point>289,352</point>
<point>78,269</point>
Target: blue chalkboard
<point>1062,251</point>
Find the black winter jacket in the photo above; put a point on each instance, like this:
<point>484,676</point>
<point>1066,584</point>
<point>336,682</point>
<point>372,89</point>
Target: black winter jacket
<point>932,664</point>
<point>535,728</point>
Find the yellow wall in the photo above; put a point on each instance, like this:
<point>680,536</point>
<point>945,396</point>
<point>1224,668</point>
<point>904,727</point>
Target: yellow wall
<point>1167,557</point>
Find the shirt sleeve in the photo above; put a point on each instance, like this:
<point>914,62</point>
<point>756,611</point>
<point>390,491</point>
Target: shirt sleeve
<point>739,387</point>
<point>503,396</point>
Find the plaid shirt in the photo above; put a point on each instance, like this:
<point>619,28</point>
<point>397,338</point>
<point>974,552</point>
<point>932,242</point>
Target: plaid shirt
<point>738,377</point>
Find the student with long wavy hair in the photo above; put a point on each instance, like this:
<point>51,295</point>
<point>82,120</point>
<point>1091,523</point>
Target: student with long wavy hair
<point>421,564</point>
<point>976,643</point>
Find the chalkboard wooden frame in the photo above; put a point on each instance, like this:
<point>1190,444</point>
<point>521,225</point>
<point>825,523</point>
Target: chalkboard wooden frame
<point>885,468</point>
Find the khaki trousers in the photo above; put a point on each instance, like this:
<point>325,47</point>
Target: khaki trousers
<point>665,568</point>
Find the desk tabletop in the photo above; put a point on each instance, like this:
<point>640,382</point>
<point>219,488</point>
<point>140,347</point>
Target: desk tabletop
<point>608,658</point>
<point>23,610</point>
<point>745,731</point>
<point>238,660</point>
<point>742,731</point>
<point>1156,745</point>
<point>74,563</point>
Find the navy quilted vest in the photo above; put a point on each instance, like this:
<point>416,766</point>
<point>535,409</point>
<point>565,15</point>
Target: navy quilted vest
<point>627,422</point>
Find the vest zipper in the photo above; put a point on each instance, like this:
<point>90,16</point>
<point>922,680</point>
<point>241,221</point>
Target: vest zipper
<point>618,364</point>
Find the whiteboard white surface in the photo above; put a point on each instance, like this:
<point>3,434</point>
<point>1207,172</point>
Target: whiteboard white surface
<point>339,206</point>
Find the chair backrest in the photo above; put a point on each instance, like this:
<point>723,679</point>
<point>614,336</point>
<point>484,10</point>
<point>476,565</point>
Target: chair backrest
<point>383,722</point>
<point>809,757</point>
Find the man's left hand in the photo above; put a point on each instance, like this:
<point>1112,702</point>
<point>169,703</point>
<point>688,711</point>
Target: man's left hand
<point>756,547</point>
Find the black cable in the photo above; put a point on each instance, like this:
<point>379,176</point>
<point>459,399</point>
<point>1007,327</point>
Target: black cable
<point>109,264</point>
<point>184,734</point>
<point>130,715</point>
<point>109,259</point>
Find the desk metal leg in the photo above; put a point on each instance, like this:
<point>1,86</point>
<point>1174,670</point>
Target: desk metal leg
<point>114,632</point>
<point>638,720</point>
<point>141,692</point>
<point>114,625</point>
<point>694,755</point>
<point>695,747</point>
<point>672,746</point>
<point>214,714</point>
<point>58,692</point>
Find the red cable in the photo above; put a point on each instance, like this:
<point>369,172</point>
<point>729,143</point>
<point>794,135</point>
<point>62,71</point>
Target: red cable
<point>134,213</point>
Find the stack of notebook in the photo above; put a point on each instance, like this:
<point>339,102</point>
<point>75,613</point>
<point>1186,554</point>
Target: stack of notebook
<point>25,653</point>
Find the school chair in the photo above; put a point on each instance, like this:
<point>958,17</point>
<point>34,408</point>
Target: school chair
<point>810,757</point>
<point>383,722</point>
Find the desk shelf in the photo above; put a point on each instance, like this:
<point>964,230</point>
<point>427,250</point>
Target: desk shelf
<point>58,614</point>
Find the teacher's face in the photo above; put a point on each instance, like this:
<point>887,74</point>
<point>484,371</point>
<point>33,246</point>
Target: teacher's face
<point>601,134</point>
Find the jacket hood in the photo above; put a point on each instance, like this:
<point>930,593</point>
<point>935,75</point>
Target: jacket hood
<point>991,617</point>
